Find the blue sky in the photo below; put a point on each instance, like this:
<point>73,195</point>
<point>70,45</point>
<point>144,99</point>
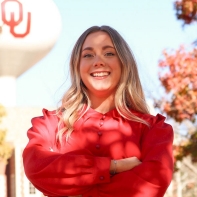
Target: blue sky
<point>147,26</point>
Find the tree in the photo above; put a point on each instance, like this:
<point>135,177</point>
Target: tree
<point>5,147</point>
<point>178,76</point>
<point>186,10</point>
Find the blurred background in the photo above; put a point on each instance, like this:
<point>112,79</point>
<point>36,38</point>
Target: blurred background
<point>35,48</point>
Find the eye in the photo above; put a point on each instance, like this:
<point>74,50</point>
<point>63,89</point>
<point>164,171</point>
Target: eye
<point>109,54</point>
<point>87,55</point>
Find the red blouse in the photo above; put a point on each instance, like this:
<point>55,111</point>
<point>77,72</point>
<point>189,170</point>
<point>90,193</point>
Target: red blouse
<point>81,166</point>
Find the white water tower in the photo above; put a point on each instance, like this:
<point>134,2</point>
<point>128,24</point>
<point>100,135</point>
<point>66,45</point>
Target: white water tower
<point>28,31</point>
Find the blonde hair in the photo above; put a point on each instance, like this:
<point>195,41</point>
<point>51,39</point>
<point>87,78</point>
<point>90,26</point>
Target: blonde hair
<point>129,94</point>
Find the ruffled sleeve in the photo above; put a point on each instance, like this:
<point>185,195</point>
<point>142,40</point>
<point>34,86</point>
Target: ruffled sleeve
<point>57,174</point>
<point>153,176</point>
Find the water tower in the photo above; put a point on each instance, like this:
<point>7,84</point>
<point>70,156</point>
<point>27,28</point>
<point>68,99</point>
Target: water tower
<point>28,31</point>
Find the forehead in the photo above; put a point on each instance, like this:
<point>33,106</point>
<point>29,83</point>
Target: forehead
<point>96,39</point>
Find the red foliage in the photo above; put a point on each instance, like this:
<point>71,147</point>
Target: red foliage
<point>178,75</point>
<point>186,10</point>
<point>179,78</point>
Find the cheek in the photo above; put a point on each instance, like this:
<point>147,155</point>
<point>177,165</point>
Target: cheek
<point>82,69</point>
<point>118,70</point>
<point>83,73</point>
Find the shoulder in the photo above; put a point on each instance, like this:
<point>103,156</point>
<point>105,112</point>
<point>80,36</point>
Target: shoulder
<point>151,119</point>
<point>155,119</point>
<point>47,122</point>
<point>157,124</point>
<point>43,130</point>
<point>47,115</point>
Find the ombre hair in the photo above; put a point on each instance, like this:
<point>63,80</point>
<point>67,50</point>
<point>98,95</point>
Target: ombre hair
<point>129,94</point>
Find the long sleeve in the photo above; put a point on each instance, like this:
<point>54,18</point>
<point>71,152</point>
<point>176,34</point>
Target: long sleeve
<point>60,174</point>
<point>153,176</point>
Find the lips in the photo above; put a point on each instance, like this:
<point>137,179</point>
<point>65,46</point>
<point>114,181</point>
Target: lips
<point>100,74</point>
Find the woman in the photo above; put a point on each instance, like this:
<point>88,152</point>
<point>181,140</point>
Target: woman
<point>102,141</point>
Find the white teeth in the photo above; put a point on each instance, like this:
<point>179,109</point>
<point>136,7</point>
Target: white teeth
<point>101,74</point>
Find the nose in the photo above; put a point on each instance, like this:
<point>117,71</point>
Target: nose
<point>99,61</point>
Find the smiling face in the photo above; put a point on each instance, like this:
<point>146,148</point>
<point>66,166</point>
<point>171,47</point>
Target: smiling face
<point>100,66</point>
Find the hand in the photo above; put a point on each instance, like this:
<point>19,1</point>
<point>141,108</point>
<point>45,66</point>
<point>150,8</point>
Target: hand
<point>122,165</point>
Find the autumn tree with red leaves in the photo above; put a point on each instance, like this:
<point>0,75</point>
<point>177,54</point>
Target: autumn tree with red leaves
<point>186,10</point>
<point>178,76</point>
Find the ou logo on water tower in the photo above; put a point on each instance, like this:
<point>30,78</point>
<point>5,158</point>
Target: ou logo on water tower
<point>13,22</point>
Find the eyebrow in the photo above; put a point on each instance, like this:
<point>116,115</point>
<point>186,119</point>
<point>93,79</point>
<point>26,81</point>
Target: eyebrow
<point>104,47</point>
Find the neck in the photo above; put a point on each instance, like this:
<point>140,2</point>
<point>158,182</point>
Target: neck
<point>102,104</point>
